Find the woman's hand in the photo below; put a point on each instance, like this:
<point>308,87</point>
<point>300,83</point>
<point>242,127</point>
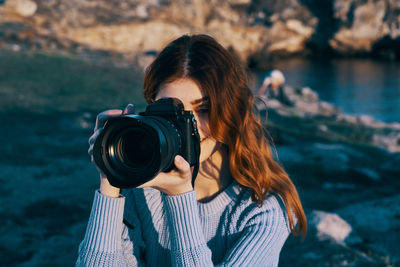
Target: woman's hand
<point>175,182</point>
<point>105,187</point>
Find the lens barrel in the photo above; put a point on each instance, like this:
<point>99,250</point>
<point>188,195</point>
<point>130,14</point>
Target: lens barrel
<point>133,149</point>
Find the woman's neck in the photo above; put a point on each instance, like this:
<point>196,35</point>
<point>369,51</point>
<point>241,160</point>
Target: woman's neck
<point>214,175</point>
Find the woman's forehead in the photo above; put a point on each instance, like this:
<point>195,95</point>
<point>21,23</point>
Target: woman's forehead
<point>184,89</point>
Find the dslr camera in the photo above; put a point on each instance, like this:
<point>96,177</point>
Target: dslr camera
<point>133,149</point>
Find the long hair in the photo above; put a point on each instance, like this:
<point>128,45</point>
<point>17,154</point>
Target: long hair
<point>231,118</point>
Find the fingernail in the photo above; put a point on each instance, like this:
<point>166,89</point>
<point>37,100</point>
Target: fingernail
<point>130,108</point>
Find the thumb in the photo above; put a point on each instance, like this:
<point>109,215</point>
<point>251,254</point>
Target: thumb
<point>182,165</point>
<point>130,109</point>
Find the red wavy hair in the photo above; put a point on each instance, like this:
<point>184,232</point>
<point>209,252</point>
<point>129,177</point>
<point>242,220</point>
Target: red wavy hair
<point>231,118</point>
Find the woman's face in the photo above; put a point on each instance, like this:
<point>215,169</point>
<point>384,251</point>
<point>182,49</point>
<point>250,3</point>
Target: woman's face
<point>193,99</point>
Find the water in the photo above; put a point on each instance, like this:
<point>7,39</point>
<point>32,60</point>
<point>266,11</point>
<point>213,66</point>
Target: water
<point>356,86</point>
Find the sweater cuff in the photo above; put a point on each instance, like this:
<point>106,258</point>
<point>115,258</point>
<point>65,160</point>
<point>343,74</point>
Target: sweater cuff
<point>105,225</point>
<point>184,221</point>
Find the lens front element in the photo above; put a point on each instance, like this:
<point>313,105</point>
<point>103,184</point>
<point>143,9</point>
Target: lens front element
<point>136,148</point>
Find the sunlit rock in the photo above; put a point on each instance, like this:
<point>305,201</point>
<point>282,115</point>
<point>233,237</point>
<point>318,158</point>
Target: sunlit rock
<point>391,141</point>
<point>289,37</point>
<point>25,8</point>
<point>15,9</point>
<point>330,226</point>
<point>367,27</point>
<point>309,95</point>
<point>127,38</point>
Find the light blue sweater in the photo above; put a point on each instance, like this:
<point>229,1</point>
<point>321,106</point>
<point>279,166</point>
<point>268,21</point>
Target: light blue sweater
<point>148,227</point>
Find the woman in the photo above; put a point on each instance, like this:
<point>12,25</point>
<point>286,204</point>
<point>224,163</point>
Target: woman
<point>243,204</point>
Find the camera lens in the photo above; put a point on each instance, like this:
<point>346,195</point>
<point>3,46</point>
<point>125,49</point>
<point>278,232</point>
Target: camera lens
<point>132,149</point>
<point>136,148</point>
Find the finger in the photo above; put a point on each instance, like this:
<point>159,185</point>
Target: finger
<point>182,165</point>
<point>130,109</point>
<point>94,136</point>
<point>105,115</point>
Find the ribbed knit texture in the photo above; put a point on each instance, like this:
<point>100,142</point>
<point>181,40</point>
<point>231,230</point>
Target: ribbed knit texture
<point>149,227</point>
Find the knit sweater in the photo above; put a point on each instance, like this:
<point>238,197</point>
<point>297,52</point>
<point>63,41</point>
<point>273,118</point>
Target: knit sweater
<point>146,227</point>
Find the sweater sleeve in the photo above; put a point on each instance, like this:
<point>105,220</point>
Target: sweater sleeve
<point>258,242</point>
<point>107,241</point>
<point>188,245</point>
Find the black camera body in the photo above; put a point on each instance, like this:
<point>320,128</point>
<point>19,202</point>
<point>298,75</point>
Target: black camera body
<point>133,149</point>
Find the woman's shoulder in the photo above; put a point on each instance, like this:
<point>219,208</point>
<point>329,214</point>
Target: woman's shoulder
<point>247,212</point>
<point>243,196</point>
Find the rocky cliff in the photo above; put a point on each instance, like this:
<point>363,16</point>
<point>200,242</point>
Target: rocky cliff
<point>256,30</point>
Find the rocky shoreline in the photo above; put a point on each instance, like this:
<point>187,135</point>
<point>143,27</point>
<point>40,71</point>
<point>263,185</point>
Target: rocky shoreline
<point>320,120</point>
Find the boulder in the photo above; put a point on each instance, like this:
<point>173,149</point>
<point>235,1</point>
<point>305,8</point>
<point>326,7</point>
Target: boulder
<point>377,223</point>
<point>330,226</point>
<point>22,8</point>
<point>362,25</point>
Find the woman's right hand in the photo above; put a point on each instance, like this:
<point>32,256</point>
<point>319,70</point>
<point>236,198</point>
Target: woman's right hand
<point>105,187</point>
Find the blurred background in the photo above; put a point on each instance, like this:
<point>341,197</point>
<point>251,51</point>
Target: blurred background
<point>62,62</point>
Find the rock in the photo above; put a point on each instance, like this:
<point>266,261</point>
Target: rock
<point>367,26</point>
<point>347,118</point>
<point>327,109</point>
<point>119,37</point>
<point>256,30</point>
<point>239,2</point>
<point>24,8</point>
<point>392,165</point>
<point>320,119</point>
<point>380,215</point>
<point>309,95</point>
<point>288,38</point>
<point>391,141</point>
<point>340,186</point>
<point>306,108</point>
<point>244,40</point>
<point>367,172</point>
<point>306,102</point>
<point>365,120</point>
<point>332,157</point>
<point>377,223</point>
<point>330,226</point>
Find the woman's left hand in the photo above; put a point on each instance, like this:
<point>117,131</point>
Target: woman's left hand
<point>175,182</point>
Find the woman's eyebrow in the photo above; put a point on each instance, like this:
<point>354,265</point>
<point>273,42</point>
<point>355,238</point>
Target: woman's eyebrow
<point>197,101</point>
